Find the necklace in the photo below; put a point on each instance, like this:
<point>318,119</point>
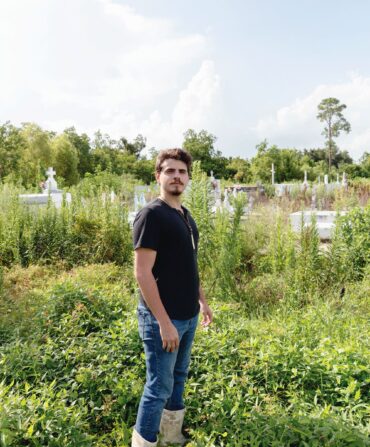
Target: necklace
<point>184,218</point>
<point>165,201</point>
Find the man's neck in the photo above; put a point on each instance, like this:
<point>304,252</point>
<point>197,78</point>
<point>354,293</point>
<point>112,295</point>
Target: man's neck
<point>173,201</point>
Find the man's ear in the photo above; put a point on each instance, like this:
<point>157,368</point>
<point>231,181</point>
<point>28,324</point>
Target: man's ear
<point>157,174</point>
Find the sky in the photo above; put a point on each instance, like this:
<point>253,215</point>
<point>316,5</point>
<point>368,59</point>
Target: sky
<point>244,70</point>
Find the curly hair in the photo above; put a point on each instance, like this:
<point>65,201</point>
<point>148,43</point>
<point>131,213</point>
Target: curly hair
<point>175,154</point>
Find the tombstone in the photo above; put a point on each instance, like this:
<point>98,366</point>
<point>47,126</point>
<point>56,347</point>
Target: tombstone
<point>314,198</point>
<point>50,183</point>
<point>142,200</point>
<point>325,222</point>
<point>338,182</point>
<point>344,180</point>
<point>272,174</point>
<point>112,196</point>
<point>305,182</point>
<point>226,203</point>
<point>326,179</point>
<point>50,191</point>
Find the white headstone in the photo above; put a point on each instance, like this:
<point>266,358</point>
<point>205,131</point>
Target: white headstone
<point>305,182</point>
<point>272,174</point>
<point>226,203</point>
<point>51,184</point>
<point>326,179</point>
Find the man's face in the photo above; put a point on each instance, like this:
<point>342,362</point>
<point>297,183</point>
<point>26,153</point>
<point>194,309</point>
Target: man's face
<point>173,177</point>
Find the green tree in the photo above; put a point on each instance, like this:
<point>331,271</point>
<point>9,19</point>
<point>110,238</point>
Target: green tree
<point>65,159</point>
<point>82,145</point>
<point>133,148</point>
<point>330,113</point>
<point>287,163</point>
<point>144,170</point>
<point>365,165</point>
<point>12,144</point>
<point>37,155</point>
<point>201,147</point>
<point>239,169</point>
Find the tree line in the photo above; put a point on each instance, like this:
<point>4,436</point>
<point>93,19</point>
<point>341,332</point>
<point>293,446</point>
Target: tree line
<point>27,150</point>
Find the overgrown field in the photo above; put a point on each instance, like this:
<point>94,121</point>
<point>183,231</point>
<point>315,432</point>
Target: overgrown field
<point>285,363</point>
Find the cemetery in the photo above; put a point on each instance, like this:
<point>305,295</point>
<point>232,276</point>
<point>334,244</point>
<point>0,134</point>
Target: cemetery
<point>99,290</point>
<point>287,275</point>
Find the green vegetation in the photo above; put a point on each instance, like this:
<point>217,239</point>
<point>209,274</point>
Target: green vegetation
<point>27,151</point>
<point>285,363</point>
<point>90,229</point>
<point>330,112</point>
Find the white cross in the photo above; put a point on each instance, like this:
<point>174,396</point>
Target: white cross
<point>50,172</point>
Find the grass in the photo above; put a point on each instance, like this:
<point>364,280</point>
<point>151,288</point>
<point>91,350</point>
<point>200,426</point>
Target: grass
<point>285,363</point>
<point>292,377</point>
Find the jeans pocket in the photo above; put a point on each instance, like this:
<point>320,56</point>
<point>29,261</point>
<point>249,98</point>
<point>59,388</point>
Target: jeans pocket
<point>142,322</point>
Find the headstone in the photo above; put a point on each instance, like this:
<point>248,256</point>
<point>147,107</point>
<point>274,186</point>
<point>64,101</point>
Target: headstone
<point>51,184</point>
<point>314,198</point>
<point>272,174</point>
<point>305,182</point>
<point>344,180</point>
<point>326,179</point>
<point>50,191</point>
<point>325,221</point>
<point>226,203</point>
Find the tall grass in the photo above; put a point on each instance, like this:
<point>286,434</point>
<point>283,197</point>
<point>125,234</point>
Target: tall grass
<point>89,230</point>
<point>285,363</point>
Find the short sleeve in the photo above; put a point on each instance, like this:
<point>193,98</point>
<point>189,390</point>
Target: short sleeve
<point>146,229</point>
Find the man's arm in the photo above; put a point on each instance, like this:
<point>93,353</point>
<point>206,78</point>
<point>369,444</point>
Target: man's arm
<point>144,261</point>
<point>205,309</point>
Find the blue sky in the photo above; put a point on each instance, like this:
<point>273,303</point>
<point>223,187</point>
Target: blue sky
<point>243,70</point>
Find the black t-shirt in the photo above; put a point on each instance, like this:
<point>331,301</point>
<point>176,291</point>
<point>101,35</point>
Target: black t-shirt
<point>162,228</point>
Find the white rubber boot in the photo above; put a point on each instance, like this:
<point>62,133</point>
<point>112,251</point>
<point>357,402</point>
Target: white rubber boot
<point>170,428</point>
<point>139,441</point>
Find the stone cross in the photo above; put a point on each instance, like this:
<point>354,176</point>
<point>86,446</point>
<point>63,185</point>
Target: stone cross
<point>272,174</point>
<point>51,184</point>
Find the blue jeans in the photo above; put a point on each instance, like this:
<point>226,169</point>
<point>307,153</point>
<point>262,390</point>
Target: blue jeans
<point>166,372</point>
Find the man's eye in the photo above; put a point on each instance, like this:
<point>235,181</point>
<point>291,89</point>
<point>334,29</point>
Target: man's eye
<point>183,171</point>
<point>170,171</point>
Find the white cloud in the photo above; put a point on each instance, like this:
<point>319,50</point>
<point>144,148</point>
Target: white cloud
<point>296,125</point>
<point>95,64</point>
<point>197,107</point>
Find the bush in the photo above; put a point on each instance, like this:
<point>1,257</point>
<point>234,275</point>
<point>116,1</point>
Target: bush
<point>89,230</point>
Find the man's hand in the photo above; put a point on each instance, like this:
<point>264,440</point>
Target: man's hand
<point>207,313</point>
<point>170,337</point>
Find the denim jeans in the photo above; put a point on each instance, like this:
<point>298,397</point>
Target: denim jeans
<point>166,372</point>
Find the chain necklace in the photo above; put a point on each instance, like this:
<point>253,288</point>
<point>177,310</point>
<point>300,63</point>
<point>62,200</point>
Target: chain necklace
<point>184,218</point>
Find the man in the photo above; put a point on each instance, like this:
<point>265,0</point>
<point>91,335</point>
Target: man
<point>165,243</point>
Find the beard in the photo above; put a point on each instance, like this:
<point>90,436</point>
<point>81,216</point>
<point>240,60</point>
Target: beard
<point>176,191</point>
